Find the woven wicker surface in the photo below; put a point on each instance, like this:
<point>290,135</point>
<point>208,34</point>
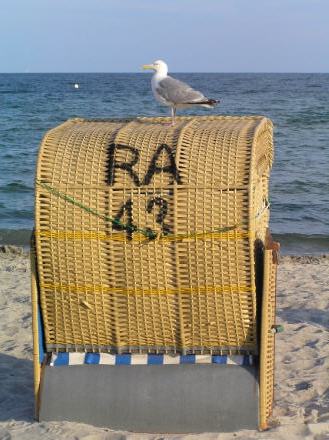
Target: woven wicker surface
<point>199,187</point>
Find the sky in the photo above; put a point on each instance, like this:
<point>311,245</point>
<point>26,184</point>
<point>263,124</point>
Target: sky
<point>190,35</point>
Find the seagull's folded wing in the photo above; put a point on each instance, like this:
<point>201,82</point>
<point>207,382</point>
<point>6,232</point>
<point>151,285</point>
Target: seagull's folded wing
<point>178,92</point>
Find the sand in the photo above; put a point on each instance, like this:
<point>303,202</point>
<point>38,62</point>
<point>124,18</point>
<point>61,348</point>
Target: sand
<point>302,359</point>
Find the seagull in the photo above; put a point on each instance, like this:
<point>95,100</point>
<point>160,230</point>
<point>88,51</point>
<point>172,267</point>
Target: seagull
<point>174,93</point>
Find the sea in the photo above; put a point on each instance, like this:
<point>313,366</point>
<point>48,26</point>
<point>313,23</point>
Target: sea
<point>298,105</point>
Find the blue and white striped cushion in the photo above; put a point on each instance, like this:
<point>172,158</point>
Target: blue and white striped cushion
<point>58,359</point>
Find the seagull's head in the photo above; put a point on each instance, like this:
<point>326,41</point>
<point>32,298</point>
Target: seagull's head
<point>158,66</point>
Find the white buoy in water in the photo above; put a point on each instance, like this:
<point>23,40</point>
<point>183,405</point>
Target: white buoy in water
<point>76,86</point>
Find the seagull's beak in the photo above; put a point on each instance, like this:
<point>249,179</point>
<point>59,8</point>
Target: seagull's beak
<point>148,67</point>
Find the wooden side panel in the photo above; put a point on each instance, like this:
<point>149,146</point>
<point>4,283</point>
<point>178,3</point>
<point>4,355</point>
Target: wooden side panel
<point>268,331</point>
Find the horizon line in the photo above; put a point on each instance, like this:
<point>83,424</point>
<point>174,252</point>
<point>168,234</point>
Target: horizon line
<point>173,72</point>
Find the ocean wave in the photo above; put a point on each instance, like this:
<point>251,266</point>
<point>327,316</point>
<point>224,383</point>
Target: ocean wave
<point>17,214</point>
<point>302,244</point>
<point>14,92</point>
<point>16,187</point>
<point>18,237</point>
<point>308,119</point>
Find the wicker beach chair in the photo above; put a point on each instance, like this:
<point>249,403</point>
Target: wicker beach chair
<point>153,281</point>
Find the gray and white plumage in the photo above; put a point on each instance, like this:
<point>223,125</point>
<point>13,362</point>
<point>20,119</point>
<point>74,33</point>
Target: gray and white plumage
<point>174,93</point>
<point>179,93</point>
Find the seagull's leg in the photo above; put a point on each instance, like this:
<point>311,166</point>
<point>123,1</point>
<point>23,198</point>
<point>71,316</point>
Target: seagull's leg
<point>173,115</point>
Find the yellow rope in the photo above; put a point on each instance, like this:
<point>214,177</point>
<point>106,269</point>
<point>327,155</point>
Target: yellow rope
<point>138,234</point>
<point>137,237</point>
<point>129,227</point>
<point>229,288</point>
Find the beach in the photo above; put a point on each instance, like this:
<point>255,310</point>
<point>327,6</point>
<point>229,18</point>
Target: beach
<point>302,358</point>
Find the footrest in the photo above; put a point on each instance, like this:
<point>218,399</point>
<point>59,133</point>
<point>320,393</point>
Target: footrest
<point>152,398</point>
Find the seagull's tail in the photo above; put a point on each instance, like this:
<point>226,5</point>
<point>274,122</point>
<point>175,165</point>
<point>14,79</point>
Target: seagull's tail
<point>208,103</point>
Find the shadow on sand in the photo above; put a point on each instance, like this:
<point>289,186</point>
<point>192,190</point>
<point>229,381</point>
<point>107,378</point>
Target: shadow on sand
<point>304,316</point>
<point>16,385</point>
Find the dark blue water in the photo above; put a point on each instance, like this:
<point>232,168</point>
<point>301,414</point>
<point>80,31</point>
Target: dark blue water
<point>298,104</point>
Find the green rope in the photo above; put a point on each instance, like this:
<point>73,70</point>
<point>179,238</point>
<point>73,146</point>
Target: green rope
<point>129,227</point>
<point>116,222</point>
